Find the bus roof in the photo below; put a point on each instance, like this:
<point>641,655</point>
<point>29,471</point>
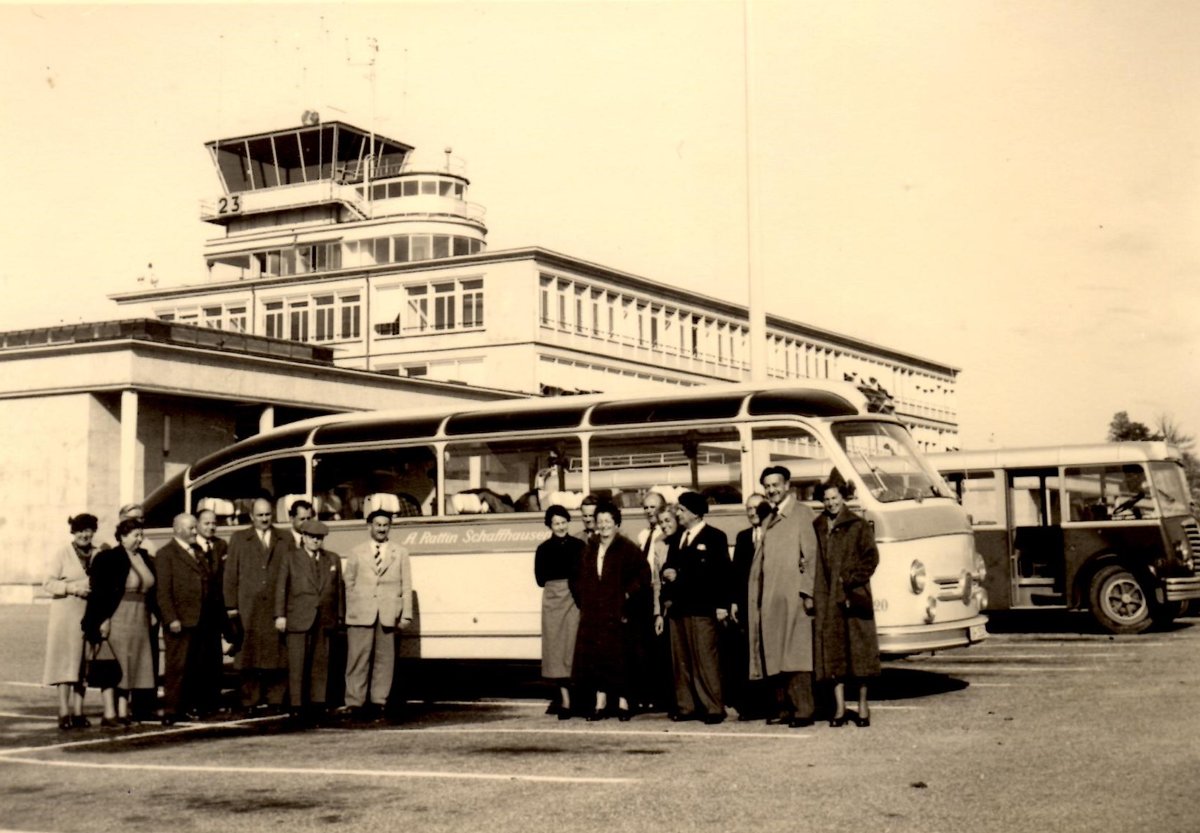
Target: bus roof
<point>725,401</point>
<point>1055,455</point>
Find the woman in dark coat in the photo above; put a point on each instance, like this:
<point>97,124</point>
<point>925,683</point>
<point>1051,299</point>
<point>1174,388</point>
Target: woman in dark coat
<point>119,604</point>
<point>555,567</point>
<point>614,597</point>
<point>846,644</point>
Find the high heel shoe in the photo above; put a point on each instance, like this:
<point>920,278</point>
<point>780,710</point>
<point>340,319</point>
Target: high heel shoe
<point>564,713</point>
<point>80,722</point>
<point>837,722</point>
<point>624,715</point>
<point>599,714</point>
<point>65,723</point>
<point>861,722</point>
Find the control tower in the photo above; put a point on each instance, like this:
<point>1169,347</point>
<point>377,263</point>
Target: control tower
<point>327,196</point>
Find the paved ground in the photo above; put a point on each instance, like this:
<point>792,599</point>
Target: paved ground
<point>1058,730</point>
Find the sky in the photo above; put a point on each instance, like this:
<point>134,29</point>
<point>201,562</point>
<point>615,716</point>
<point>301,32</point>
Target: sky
<point>1010,188</point>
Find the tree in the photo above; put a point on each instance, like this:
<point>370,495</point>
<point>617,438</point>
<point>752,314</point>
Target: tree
<point>1166,429</point>
<point>1122,429</point>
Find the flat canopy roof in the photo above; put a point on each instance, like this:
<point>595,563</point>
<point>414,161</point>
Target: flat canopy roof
<point>307,153</point>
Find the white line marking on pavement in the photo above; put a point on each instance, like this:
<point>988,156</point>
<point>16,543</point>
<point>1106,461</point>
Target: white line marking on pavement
<point>351,773</point>
<point>181,728</point>
<point>997,685</point>
<point>784,734</point>
<point>24,685</point>
<point>28,716</point>
<point>964,669</point>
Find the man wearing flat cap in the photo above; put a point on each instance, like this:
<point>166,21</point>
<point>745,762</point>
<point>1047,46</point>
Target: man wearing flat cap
<point>378,601</point>
<point>309,605</point>
<point>697,583</point>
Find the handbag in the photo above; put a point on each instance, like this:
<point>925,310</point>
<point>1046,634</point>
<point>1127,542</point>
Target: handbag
<point>103,672</point>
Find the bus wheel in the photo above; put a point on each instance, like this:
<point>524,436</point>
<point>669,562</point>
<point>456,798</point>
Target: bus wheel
<point>1119,603</point>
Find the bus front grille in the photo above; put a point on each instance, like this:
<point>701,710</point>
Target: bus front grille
<point>1192,530</point>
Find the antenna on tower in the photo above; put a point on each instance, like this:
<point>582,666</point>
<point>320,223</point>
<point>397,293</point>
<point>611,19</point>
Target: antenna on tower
<point>447,150</point>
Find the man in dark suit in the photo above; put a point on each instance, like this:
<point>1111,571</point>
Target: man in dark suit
<point>189,599</point>
<point>310,604</point>
<point>215,551</point>
<point>696,577</point>
<point>251,573</point>
<point>740,692</point>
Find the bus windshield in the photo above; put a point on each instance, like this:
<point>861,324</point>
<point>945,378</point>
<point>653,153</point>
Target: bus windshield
<point>884,457</point>
<point>1171,488</point>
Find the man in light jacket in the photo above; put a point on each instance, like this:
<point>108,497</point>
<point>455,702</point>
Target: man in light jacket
<point>378,600</point>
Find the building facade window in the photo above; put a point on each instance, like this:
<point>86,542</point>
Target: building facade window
<point>298,320</point>
<point>323,313</point>
<point>350,311</point>
<point>273,319</point>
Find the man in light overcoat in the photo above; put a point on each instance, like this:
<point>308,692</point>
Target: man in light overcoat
<point>780,599</point>
<point>378,601</point>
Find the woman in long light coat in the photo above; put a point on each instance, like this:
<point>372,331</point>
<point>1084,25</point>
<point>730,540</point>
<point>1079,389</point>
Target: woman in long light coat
<point>67,584</point>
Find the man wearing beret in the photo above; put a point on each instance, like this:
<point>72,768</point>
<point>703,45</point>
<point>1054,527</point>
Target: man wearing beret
<point>697,579</point>
<point>378,600</point>
<point>309,605</point>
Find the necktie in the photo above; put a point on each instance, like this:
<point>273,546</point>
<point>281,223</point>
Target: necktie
<point>378,559</point>
<point>649,541</point>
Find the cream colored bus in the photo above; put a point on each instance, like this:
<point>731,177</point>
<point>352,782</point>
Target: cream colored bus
<point>468,488</point>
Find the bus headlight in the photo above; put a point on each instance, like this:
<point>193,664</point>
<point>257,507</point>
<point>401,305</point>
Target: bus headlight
<point>968,586</point>
<point>981,597</point>
<point>916,576</point>
<point>930,610</point>
<point>1184,551</point>
<point>980,568</point>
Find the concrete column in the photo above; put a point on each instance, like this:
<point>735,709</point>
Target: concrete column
<point>129,475</point>
<point>266,420</point>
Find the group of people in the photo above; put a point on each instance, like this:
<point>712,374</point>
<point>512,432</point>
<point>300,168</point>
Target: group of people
<point>671,620</point>
<point>276,597</point>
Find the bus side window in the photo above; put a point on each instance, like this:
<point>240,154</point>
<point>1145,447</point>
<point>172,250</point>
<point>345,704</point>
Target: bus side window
<point>981,499</point>
<point>232,495</point>
<point>706,460</point>
<point>1109,493</point>
<point>352,484</point>
<point>511,475</point>
<point>799,451</point>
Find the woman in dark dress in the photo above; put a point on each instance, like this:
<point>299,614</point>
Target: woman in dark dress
<point>612,589</point>
<point>118,611</point>
<point>846,645</point>
<point>555,566</point>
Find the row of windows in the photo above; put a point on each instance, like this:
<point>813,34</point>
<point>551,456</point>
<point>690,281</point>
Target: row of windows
<point>525,475</point>
<point>413,187</point>
<point>435,306</point>
<point>326,257</point>
<point>318,318</point>
<point>1091,493</point>
<point>576,307</point>
<point>407,248</point>
<point>230,317</point>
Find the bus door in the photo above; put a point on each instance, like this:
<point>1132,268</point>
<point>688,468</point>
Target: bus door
<point>1035,527</point>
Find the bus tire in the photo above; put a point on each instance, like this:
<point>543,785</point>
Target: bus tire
<point>1119,601</point>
